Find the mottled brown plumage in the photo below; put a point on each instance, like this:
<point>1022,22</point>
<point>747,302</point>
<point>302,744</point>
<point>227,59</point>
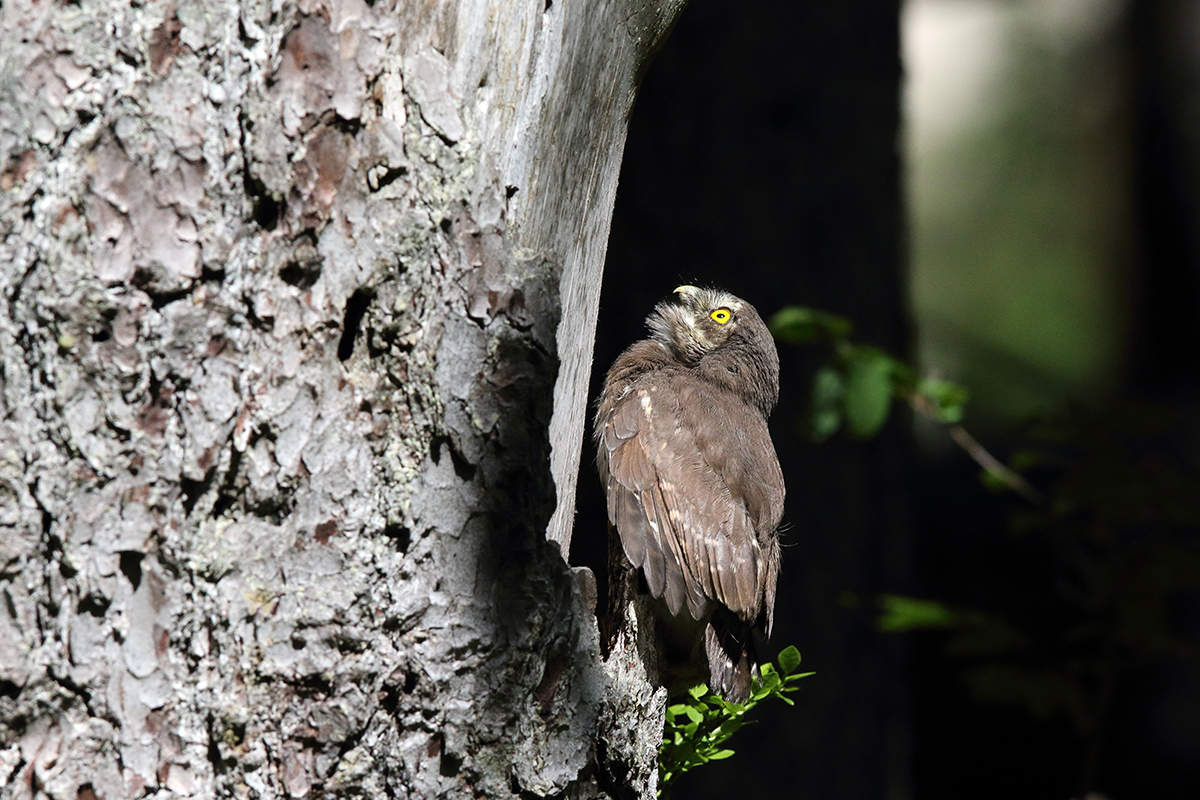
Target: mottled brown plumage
<point>694,487</point>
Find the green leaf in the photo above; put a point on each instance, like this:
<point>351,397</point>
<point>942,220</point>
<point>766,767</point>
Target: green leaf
<point>789,659</point>
<point>947,400</point>
<point>795,677</point>
<point>799,325</point>
<point>829,387</point>
<point>868,392</point>
<point>729,728</point>
<point>711,721</point>
<point>909,613</point>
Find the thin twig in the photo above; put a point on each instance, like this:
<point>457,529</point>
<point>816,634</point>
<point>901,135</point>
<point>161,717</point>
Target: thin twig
<point>992,465</point>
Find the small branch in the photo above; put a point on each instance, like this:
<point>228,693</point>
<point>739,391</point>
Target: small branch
<point>992,465</point>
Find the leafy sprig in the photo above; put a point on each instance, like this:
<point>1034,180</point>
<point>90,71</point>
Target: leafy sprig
<point>698,728</point>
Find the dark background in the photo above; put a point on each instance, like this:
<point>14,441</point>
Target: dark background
<point>764,157</point>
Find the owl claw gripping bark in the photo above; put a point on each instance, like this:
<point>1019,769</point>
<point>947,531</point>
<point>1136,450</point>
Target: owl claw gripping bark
<point>694,488</point>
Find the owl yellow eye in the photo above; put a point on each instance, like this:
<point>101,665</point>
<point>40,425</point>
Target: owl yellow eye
<point>721,315</point>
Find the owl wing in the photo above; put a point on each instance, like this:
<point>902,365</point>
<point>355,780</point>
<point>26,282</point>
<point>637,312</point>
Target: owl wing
<point>667,448</point>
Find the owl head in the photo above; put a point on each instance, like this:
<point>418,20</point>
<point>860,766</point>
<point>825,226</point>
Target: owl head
<point>723,338</point>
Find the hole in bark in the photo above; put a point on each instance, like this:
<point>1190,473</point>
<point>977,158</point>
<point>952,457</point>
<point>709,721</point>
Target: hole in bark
<point>445,224</point>
<point>214,756</point>
<point>247,40</point>
<point>233,735</point>
<point>350,127</point>
<point>144,279</point>
<point>509,191</point>
<point>131,566</point>
<point>102,335</point>
<point>212,275</point>
<point>117,431</point>
<point>399,534</point>
<point>388,177</point>
<point>612,776</point>
<point>313,685</point>
<point>451,764</point>
<point>410,681</point>
<point>227,495</point>
<point>85,792</point>
<point>192,490</point>
<point>299,642</point>
<point>258,323</point>
<point>224,503</point>
<point>95,604</point>
<point>347,644</point>
<point>9,689</point>
<point>305,267</point>
<point>302,276</point>
<point>548,4</point>
<point>356,309</point>
<point>84,117</point>
<point>266,209</point>
<point>275,509</point>
<point>160,299</point>
<point>390,700</point>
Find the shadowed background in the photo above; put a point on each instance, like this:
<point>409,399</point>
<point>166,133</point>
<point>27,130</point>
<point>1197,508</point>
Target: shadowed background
<point>1045,176</point>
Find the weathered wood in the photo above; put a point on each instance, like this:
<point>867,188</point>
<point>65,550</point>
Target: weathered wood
<point>299,302</point>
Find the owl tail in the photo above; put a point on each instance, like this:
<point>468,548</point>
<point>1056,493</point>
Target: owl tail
<point>729,645</point>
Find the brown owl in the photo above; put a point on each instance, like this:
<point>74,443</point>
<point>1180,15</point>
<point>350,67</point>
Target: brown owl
<point>694,488</point>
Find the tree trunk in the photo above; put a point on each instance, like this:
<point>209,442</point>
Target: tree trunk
<point>299,302</point>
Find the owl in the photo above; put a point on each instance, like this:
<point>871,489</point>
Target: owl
<point>695,493</point>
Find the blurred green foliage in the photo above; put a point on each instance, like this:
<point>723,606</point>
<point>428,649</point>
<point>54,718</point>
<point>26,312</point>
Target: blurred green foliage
<point>1119,535</point>
<point>856,386</point>
<point>899,613</point>
<point>1111,534</point>
<point>1021,227</point>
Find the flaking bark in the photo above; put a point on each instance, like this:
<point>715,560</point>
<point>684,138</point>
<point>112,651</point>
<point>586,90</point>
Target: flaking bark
<point>298,311</point>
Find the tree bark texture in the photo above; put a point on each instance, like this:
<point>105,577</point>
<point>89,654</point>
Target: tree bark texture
<point>298,311</point>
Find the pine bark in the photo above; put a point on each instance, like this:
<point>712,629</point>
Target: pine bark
<point>299,300</point>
